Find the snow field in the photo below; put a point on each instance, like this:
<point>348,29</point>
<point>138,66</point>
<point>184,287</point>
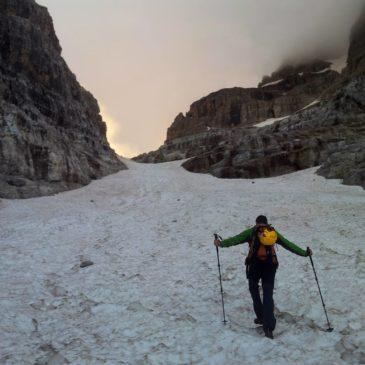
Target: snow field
<point>272,83</point>
<point>152,295</point>
<point>269,121</point>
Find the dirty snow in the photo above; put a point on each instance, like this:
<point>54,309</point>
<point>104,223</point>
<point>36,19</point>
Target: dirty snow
<point>270,121</point>
<point>273,83</point>
<point>152,295</point>
<point>311,104</point>
<point>339,64</point>
<point>322,71</point>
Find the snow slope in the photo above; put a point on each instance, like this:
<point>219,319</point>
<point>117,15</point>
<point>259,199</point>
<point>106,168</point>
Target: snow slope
<point>272,83</point>
<point>152,295</point>
<point>311,104</point>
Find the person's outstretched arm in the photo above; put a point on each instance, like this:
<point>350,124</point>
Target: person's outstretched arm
<point>236,240</point>
<point>290,246</point>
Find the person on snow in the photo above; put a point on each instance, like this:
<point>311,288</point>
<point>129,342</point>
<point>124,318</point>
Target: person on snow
<point>261,263</point>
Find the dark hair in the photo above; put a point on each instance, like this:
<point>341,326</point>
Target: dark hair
<point>261,219</point>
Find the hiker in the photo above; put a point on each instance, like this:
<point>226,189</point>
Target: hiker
<point>261,263</point>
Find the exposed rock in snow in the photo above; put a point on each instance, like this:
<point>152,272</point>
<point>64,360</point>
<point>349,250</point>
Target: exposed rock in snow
<point>86,263</point>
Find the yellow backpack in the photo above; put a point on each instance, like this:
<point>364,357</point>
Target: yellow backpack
<point>267,236</point>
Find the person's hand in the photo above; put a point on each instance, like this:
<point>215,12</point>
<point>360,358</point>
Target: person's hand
<point>309,252</point>
<point>217,242</point>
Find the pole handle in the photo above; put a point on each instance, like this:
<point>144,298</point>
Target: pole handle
<point>217,237</point>
<point>308,250</point>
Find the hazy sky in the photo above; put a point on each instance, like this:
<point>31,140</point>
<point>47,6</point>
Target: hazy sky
<point>147,60</point>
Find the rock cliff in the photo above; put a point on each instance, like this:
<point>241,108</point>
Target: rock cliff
<point>52,137</point>
<point>219,136</point>
<point>356,55</point>
<point>284,92</point>
<point>331,134</point>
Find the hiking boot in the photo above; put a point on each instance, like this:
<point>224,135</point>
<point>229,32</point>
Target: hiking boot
<point>258,321</point>
<point>269,334</point>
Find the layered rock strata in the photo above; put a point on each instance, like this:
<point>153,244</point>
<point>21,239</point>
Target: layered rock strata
<point>331,134</point>
<point>52,137</point>
<point>286,91</point>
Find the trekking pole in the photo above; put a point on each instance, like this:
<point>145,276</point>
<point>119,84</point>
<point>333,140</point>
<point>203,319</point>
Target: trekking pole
<point>220,278</point>
<point>329,329</point>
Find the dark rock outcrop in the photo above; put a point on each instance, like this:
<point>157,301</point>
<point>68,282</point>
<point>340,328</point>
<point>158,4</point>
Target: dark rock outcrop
<point>52,137</point>
<point>288,71</point>
<point>356,55</point>
<point>86,263</point>
<point>331,134</point>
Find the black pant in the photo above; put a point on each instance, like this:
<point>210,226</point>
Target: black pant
<point>264,270</point>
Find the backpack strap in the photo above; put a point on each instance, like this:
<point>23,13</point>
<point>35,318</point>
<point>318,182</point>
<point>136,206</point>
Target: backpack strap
<point>254,244</point>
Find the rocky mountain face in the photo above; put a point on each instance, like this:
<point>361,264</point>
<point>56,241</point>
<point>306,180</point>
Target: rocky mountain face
<point>284,92</point>
<point>356,55</point>
<point>52,137</point>
<point>329,132</point>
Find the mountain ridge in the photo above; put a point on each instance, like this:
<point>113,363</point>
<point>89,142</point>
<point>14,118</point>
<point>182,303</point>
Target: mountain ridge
<point>238,107</point>
<point>327,129</point>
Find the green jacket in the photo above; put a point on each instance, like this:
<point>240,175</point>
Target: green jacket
<point>246,235</point>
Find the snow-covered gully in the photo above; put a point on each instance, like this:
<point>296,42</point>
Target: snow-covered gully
<point>152,294</point>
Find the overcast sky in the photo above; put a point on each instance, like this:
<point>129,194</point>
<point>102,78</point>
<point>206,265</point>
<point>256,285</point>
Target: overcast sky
<point>147,60</point>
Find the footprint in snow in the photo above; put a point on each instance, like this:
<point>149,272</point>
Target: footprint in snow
<point>51,356</point>
<point>205,265</point>
<point>229,273</point>
<point>160,347</point>
<point>55,289</point>
<point>228,276</point>
<point>250,329</point>
<point>186,317</point>
<point>136,276</point>
<point>298,321</point>
<point>138,307</point>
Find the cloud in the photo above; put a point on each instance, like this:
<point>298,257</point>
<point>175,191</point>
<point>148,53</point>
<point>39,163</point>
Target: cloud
<point>115,135</point>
